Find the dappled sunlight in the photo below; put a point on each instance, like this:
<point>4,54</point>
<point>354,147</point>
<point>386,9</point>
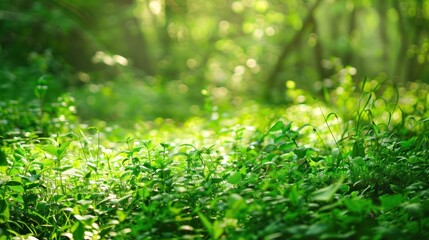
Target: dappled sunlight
<point>228,119</point>
<point>102,57</point>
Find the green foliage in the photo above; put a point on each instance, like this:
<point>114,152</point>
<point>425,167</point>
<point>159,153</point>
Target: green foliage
<point>178,140</point>
<point>131,55</point>
<point>259,173</point>
<point>36,117</point>
<point>125,101</point>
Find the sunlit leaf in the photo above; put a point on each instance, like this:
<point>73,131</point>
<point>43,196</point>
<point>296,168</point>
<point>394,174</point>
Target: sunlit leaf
<point>62,149</point>
<point>186,228</point>
<point>52,150</point>
<point>277,126</point>
<point>304,126</point>
<point>92,166</point>
<point>121,215</point>
<point>217,229</point>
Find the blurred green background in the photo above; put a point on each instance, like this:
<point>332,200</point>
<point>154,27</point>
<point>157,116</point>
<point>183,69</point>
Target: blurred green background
<point>129,60</point>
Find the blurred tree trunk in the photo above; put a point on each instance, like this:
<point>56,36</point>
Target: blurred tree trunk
<point>273,81</point>
<point>318,51</point>
<point>420,26</point>
<point>127,37</point>
<point>412,30</point>
<point>382,7</point>
<point>175,13</point>
<point>403,33</point>
<point>136,48</point>
<point>164,36</point>
<point>348,57</point>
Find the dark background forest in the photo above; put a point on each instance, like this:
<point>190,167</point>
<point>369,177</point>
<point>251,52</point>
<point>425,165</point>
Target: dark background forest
<point>124,60</point>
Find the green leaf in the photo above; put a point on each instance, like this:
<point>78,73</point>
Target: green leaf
<point>234,178</point>
<point>217,229</point>
<point>358,205</point>
<point>287,146</point>
<point>4,211</point>
<point>408,143</point>
<point>13,183</point>
<point>344,188</point>
<point>243,170</point>
<point>327,193</point>
<point>63,168</point>
<point>294,195</point>
<point>17,188</point>
<point>30,198</point>
<point>287,127</point>
<point>3,159</point>
<point>121,215</point>
<point>317,229</point>
<point>207,224</point>
<point>87,175</point>
<point>236,203</point>
<point>292,134</point>
<point>396,188</point>
<point>92,166</point>
<point>277,127</point>
<point>335,152</point>
<point>414,209</point>
<point>126,197</point>
<point>359,161</point>
<point>270,148</point>
<point>389,202</point>
<point>62,149</point>
<point>279,138</point>
<point>51,149</point>
<point>303,126</point>
<point>58,152</point>
<point>78,230</point>
<point>358,149</point>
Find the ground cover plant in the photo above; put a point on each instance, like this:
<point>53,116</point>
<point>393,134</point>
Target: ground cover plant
<point>302,172</point>
<point>226,119</point>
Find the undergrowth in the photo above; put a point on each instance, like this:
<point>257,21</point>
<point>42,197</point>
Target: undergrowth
<point>305,172</point>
